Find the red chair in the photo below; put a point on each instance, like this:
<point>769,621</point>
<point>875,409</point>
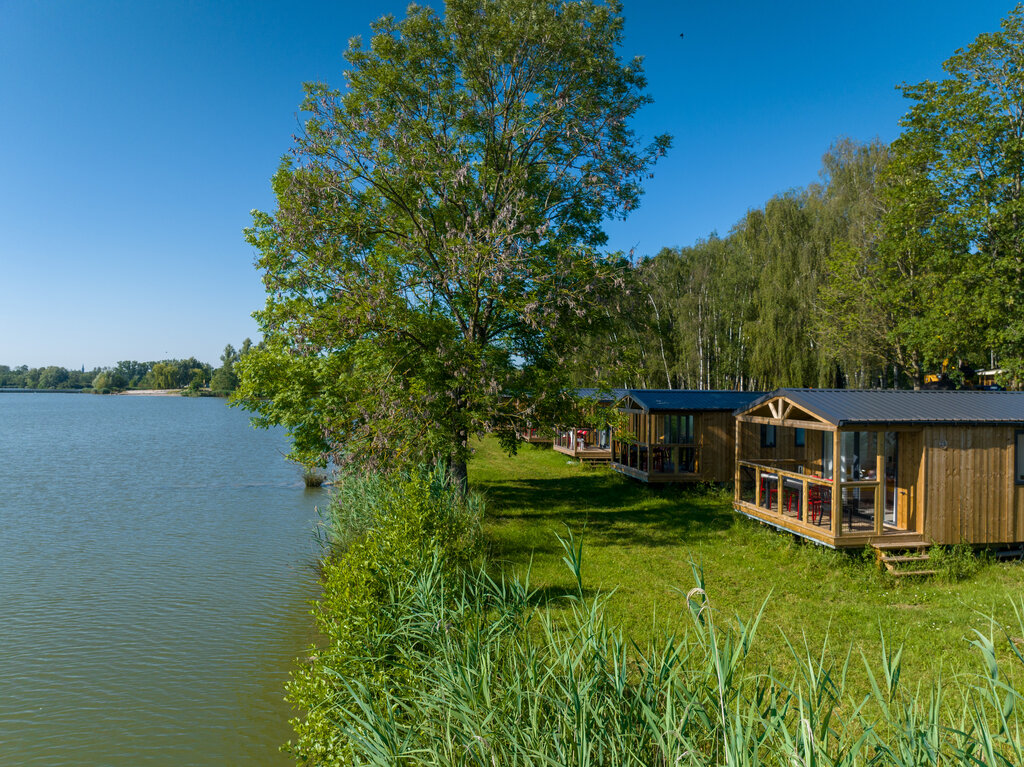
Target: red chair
<point>768,492</point>
<point>818,498</point>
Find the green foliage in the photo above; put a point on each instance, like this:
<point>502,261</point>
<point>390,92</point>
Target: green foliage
<point>109,380</point>
<point>445,260</point>
<point>384,536</point>
<point>175,374</point>
<point>954,203</point>
<point>297,392</point>
<point>50,377</point>
<point>954,563</point>
<point>492,674</point>
<point>225,379</point>
<point>788,298</point>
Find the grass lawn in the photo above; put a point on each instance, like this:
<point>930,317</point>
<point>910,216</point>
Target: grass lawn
<point>640,541</point>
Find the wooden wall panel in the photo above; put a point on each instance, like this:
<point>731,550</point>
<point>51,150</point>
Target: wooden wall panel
<point>785,449</point>
<point>715,432</point>
<point>969,492</point>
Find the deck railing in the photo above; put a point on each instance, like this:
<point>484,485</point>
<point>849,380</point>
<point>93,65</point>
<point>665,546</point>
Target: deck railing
<point>804,502</point>
<point>659,458</point>
<point>801,497</point>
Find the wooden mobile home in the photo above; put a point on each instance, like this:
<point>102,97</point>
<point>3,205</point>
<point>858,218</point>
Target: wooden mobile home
<point>678,435</point>
<point>585,443</point>
<point>888,468</point>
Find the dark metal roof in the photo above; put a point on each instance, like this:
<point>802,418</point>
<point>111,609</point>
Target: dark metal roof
<point>691,399</point>
<point>867,406</point>
<point>602,395</point>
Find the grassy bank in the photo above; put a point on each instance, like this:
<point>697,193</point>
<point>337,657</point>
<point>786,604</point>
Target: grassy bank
<point>640,541</point>
<point>430,658</point>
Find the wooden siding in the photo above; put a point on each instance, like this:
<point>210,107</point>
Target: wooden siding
<point>969,491</point>
<point>785,448</point>
<point>955,482</point>
<point>715,432</point>
<point>713,437</point>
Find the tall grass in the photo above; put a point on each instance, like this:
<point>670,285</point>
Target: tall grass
<point>461,666</point>
<point>381,533</point>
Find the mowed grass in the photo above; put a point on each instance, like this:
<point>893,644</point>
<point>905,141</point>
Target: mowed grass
<point>640,542</point>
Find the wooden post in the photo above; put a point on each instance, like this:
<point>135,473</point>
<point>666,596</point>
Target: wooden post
<point>757,486</point>
<point>880,479</point>
<point>837,486</point>
<point>736,469</point>
<point>803,502</point>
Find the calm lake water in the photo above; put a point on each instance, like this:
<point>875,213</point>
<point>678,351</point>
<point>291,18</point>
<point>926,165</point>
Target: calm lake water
<point>155,572</point>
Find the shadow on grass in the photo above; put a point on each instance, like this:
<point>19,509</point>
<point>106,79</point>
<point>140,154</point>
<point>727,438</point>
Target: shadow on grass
<point>605,508</point>
<point>559,595</point>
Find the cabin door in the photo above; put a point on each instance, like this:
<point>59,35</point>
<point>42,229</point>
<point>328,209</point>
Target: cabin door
<point>908,468</point>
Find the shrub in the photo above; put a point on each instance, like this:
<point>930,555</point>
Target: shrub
<point>382,534</point>
<point>954,563</point>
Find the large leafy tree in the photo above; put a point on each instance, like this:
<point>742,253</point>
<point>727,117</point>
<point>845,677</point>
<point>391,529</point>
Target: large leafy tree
<point>437,241</point>
<point>956,207</point>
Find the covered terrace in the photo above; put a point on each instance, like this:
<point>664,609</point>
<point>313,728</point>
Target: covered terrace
<point>839,467</point>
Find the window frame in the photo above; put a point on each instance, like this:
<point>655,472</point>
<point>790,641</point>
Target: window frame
<point>764,435</point>
<point>1018,458</point>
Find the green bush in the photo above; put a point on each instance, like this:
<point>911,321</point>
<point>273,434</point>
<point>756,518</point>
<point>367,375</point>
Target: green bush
<point>954,563</point>
<point>431,658</point>
<point>382,534</point>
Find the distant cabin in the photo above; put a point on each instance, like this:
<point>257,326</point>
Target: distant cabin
<point>586,443</point>
<point>533,435</point>
<point>847,468</point>
<point>678,435</point>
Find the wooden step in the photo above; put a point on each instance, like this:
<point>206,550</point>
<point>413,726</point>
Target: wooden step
<point>905,558</point>
<point>901,544</point>
<point>904,573</point>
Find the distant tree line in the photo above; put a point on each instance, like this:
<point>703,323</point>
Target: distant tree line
<point>187,374</point>
<point>902,260</point>
<point>50,377</point>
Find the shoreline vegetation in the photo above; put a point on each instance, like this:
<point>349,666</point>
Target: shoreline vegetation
<point>118,393</point>
<point>449,638</point>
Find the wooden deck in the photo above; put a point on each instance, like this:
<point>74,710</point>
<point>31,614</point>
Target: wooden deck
<point>655,477</point>
<point>859,532</point>
<point>590,454</point>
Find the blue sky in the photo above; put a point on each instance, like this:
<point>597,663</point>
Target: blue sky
<point>135,137</point>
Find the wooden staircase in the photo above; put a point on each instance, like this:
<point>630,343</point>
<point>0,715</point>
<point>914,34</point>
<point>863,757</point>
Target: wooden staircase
<point>903,558</point>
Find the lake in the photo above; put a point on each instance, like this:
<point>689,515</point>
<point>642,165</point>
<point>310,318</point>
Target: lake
<point>156,567</point>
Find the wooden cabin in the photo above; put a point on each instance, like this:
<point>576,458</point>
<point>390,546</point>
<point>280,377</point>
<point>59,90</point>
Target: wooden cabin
<point>585,443</point>
<point>888,468</point>
<point>678,435</point>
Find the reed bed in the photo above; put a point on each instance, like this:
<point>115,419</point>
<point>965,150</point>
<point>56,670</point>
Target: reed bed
<point>453,664</point>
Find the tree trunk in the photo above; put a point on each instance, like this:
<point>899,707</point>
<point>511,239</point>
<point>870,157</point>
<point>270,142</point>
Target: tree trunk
<point>459,475</point>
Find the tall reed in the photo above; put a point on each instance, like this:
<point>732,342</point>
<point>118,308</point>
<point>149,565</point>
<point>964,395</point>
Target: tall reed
<point>460,665</point>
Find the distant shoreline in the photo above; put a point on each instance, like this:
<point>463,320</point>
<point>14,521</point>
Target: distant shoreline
<point>149,393</point>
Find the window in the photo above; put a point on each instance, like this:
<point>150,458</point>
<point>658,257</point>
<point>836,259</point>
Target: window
<point>767,435</point>
<point>799,437</point>
<point>678,430</point>
<point>1018,459</point>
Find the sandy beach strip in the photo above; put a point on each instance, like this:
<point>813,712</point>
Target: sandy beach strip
<point>151,393</point>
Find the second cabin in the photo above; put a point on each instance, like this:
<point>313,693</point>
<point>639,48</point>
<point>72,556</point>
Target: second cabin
<point>678,435</point>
